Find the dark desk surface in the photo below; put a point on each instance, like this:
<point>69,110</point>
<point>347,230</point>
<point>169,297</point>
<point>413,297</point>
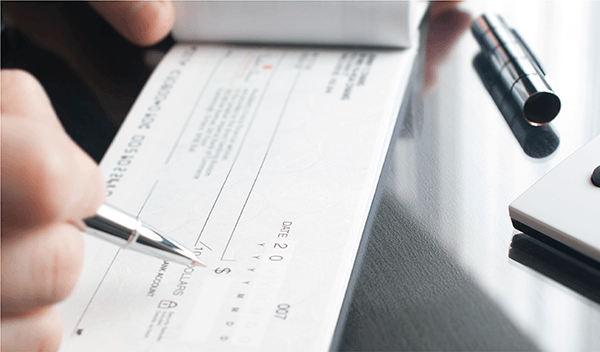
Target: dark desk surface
<point>436,274</point>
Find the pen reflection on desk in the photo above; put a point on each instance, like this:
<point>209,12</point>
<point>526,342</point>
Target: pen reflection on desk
<point>536,141</point>
<point>128,231</point>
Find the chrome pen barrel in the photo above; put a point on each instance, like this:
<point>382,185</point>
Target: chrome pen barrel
<point>113,225</point>
<point>127,231</point>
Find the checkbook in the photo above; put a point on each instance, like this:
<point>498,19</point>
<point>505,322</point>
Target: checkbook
<point>265,161</point>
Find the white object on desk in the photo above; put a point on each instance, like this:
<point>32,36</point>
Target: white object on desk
<point>565,204</point>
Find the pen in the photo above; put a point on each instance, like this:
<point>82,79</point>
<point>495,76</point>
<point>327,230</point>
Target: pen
<point>127,231</point>
<point>518,68</point>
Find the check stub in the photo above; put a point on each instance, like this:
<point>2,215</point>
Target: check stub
<point>264,161</point>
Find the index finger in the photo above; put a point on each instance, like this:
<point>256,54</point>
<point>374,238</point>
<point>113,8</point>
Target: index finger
<point>141,22</point>
<point>46,177</point>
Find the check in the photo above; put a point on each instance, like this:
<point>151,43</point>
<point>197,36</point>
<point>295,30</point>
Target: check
<point>264,161</point>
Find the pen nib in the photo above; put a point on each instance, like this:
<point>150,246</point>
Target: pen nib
<point>196,262</point>
<point>152,242</point>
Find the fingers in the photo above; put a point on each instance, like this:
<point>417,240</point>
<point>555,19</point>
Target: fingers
<point>45,176</point>
<point>40,268</point>
<point>38,331</point>
<point>22,95</point>
<point>48,183</point>
<point>141,22</point>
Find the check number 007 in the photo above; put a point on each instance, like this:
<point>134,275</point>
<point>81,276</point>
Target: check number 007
<point>282,311</point>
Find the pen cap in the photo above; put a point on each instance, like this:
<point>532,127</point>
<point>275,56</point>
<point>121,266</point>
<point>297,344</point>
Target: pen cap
<point>518,69</point>
<point>489,30</point>
<point>539,103</point>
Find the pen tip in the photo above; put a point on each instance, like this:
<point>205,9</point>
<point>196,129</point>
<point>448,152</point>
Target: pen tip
<point>196,262</point>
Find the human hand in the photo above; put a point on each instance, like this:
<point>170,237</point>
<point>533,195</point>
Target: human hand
<point>48,184</point>
<point>141,22</point>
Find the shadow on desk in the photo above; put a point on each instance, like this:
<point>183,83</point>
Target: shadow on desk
<point>412,295</point>
<point>558,262</point>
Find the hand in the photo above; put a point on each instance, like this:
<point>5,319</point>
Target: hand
<point>141,22</point>
<point>48,183</point>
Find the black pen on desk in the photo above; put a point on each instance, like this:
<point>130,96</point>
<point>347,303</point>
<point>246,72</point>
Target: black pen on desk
<point>518,68</point>
<point>127,231</point>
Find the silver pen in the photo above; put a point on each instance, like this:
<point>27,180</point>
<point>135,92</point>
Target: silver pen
<point>127,231</point>
<point>518,68</point>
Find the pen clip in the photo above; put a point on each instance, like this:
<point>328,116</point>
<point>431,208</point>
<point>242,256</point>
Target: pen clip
<point>529,52</point>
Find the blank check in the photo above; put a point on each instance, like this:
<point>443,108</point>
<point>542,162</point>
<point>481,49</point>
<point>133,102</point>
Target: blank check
<point>265,162</point>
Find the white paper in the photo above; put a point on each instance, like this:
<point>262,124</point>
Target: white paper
<point>265,162</point>
<point>340,22</point>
